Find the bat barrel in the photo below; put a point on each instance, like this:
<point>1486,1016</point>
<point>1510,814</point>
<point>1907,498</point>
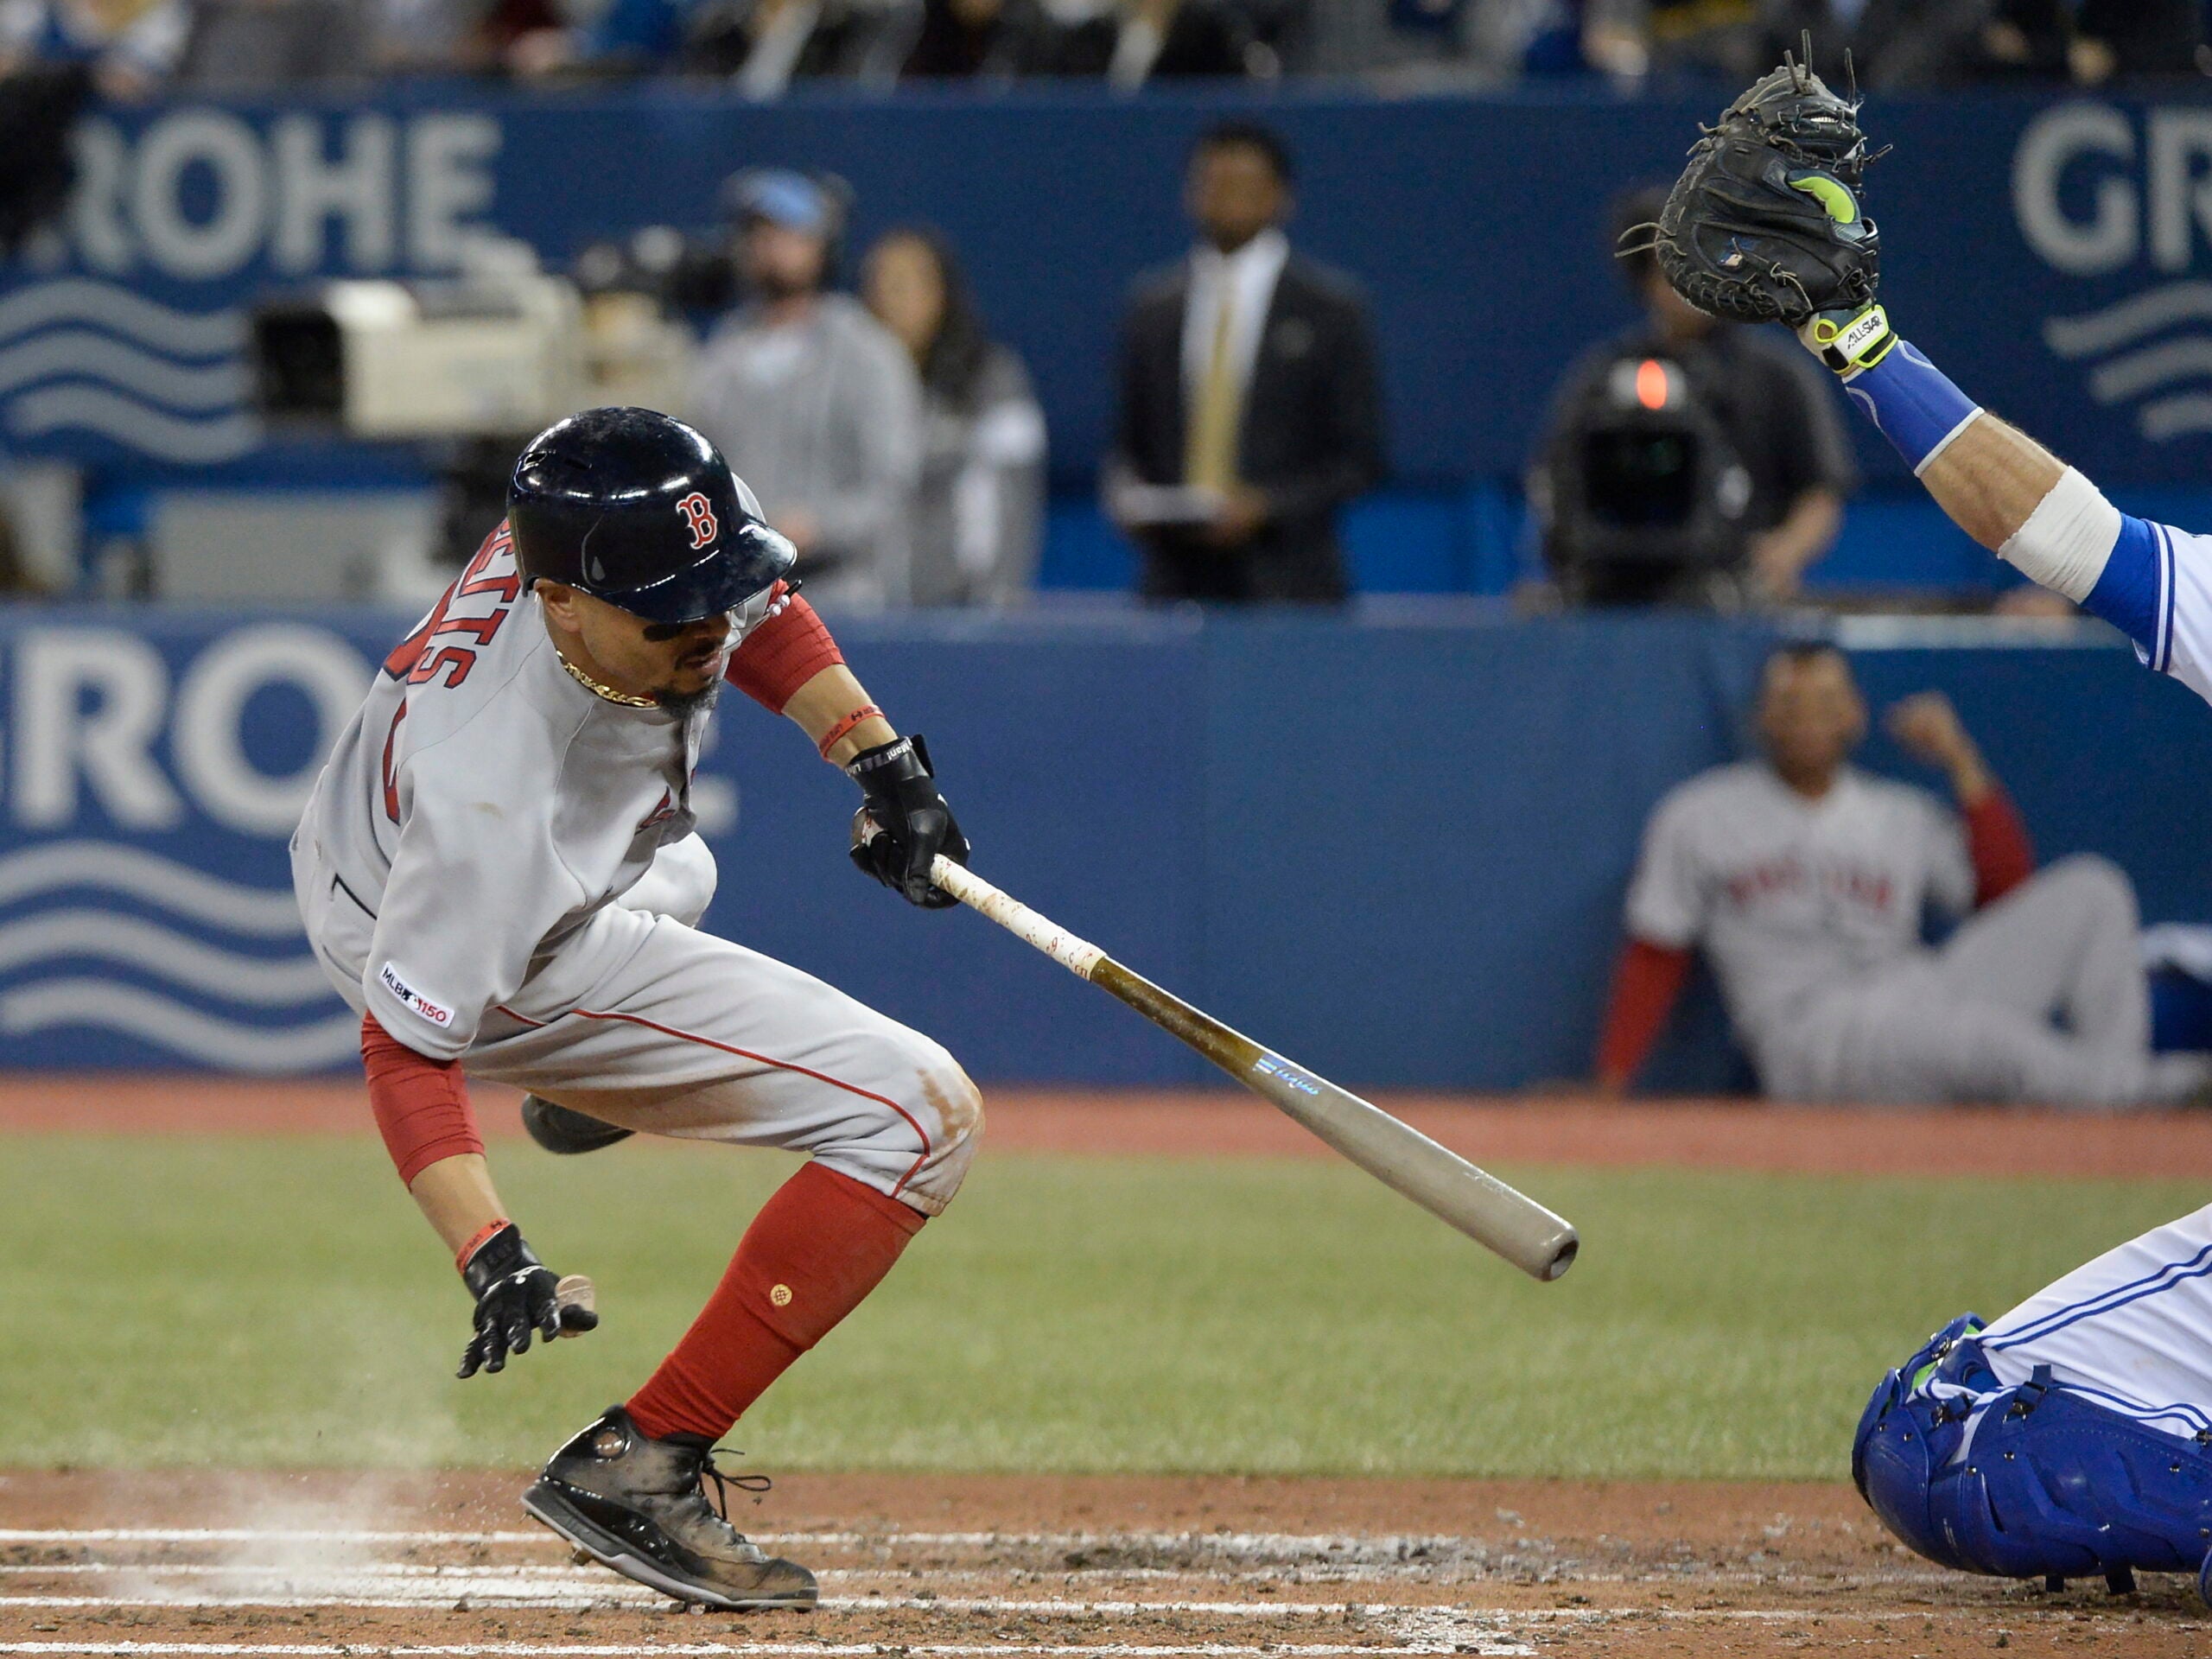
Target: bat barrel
<point>1443,1183</point>
<point>1434,1176</point>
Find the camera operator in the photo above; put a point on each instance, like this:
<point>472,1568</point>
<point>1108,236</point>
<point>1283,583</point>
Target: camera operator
<point>811,397</point>
<point>1688,460</point>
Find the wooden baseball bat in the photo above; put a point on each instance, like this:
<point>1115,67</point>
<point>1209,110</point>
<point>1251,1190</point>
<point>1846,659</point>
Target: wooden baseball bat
<point>1439,1180</point>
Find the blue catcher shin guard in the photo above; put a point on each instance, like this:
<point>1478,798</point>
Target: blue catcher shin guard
<point>2039,1481</point>
<point>1905,1439</point>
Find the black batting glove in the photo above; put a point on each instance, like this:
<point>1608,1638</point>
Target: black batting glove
<point>904,824</point>
<point>515,1299</point>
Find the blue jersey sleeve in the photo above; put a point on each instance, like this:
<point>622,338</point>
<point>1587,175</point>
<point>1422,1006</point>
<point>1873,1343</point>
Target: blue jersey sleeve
<point>2129,593</point>
<point>2157,588</point>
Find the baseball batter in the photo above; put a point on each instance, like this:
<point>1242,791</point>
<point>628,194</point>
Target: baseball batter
<point>499,870</point>
<point>2073,1436</point>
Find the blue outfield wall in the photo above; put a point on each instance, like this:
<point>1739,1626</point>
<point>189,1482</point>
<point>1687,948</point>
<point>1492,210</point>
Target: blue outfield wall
<point>1394,847</point>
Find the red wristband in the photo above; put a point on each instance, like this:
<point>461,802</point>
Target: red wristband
<point>483,1236</point>
<point>831,738</point>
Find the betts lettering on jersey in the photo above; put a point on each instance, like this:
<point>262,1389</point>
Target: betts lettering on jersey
<point>417,1003</point>
<point>699,514</point>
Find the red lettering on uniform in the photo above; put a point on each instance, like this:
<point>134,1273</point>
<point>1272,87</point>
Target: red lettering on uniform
<point>699,514</point>
<point>473,581</point>
<point>391,774</point>
<point>454,660</point>
<point>406,661</point>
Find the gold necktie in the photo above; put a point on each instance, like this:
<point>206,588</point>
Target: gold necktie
<point>1210,447</point>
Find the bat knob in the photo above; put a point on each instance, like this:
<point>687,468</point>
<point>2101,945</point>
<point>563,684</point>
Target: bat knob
<point>579,1304</point>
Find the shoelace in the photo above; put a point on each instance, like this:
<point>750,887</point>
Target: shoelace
<point>754,1483</point>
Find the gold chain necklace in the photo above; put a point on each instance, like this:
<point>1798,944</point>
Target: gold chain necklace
<point>607,691</point>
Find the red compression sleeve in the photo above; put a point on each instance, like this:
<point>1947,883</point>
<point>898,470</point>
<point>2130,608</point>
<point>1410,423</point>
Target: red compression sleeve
<point>422,1105</point>
<point>1997,843</point>
<point>818,1246</point>
<point>1645,984</point>
<point>782,654</point>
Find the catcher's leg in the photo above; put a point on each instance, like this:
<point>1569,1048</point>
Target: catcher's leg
<point>2037,1479</point>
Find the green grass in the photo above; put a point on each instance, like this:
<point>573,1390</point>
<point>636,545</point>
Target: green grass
<point>245,1302</point>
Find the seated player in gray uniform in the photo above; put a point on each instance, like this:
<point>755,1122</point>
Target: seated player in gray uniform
<point>498,869</point>
<point>1805,881</point>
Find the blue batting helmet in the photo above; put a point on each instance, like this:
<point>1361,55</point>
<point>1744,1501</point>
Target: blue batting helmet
<point>638,509</point>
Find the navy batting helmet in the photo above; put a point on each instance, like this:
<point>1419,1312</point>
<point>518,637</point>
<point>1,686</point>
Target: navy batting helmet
<point>637,509</point>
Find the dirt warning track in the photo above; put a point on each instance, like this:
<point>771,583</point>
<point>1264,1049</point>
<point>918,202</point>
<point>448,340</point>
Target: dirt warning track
<point>213,1566</point>
<point>1532,1129</point>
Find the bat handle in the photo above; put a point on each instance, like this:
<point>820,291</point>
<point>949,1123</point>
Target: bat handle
<point>1078,956</point>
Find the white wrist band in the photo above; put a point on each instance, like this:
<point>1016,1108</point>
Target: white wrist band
<point>2066,539</point>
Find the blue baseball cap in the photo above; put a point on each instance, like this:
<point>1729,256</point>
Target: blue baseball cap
<point>782,196</point>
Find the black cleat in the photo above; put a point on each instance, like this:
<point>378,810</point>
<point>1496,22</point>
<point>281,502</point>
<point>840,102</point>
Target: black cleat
<point>640,1506</point>
<point>558,1129</point>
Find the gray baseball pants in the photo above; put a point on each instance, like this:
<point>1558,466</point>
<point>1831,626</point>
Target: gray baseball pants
<point>2041,997</point>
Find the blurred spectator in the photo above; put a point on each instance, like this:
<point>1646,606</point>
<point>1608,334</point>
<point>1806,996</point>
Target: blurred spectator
<point>441,36</point>
<point>1900,44</point>
<point>1250,411</point>
<point>1128,42</point>
<point>758,45</point>
<point>1723,38</point>
<point>1906,43</point>
<point>815,403</point>
<point>253,45</point>
<point>1764,397</point>
<point>979,514</point>
<point>129,45</point>
<point>39,106</point>
<point>988,40</point>
<point>1805,882</point>
<point>2136,37</point>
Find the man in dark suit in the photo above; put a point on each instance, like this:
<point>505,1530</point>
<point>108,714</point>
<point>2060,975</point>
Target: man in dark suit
<point>1249,408</point>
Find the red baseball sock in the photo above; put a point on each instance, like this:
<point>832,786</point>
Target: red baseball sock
<point>818,1246</point>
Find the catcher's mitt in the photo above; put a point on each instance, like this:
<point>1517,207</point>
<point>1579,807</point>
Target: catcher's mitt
<point>1764,224</point>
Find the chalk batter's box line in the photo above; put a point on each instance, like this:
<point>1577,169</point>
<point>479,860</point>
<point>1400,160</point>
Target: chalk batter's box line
<point>1226,1542</point>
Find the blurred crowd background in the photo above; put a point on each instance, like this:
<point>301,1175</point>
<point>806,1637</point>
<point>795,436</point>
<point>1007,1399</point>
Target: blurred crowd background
<point>764,47</point>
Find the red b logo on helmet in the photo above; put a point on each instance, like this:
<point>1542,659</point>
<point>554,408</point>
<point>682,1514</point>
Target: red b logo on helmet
<point>699,514</point>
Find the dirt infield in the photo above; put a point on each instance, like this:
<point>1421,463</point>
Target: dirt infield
<point>214,1567</point>
<point>1698,1135</point>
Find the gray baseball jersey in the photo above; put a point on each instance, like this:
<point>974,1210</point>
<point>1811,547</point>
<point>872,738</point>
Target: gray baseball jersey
<point>1810,912</point>
<point>499,865</point>
<point>1788,896</point>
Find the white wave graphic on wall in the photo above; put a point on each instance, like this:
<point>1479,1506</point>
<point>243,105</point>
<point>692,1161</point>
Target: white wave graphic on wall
<point>231,1008</point>
<point>79,352</point>
<point>2128,365</point>
<point>162,953</point>
<point>82,356</point>
<point>117,309</point>
<point>230,1044</point>
<point>162,883</point>
<point>115,414</point>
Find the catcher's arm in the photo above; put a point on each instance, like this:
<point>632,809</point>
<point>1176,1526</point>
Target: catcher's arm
<point>1766,224</point>
<point>1995,482</point>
